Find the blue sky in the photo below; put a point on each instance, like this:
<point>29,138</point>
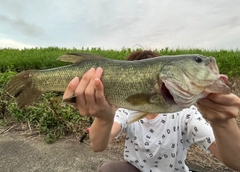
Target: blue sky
<point>109,24</point>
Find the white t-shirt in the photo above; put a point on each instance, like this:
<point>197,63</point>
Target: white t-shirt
<point>161,144</point>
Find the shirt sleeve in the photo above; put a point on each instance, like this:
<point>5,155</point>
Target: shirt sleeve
<point>199,131</point>
<point>121,117</point>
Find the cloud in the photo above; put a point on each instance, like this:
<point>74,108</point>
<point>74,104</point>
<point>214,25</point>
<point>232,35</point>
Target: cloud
<point>117,24</point>
<point>22,26</point>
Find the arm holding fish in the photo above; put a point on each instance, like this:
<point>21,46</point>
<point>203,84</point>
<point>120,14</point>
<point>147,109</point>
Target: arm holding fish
<point>90,101</point>
<point>221,111</point>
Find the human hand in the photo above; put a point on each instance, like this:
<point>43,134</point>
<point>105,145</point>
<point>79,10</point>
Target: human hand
<point>219,107</point>
<point>90,99</point>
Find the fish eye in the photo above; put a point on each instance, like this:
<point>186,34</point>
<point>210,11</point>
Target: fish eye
<point>198,59</point>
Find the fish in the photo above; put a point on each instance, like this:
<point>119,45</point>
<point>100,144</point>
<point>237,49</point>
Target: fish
<point>162,84</point>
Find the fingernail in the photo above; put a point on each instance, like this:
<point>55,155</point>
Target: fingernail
<point>75,79</point>
<point>91,71</point>
<point>99,69</point>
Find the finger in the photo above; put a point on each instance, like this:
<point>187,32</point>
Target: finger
<point>208,103</point>
<point>99,94</point>
<point>70,90</point>
<point>224,99</point>
<point>211,115</point>
<point>212,111</point>
<point>91,89</point>
<point>98,73</point>
<point>80,90</point>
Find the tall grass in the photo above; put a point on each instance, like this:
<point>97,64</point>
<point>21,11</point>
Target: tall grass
<point>43,58</point>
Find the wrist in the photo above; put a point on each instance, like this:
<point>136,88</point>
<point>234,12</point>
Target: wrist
<point>106,118</point>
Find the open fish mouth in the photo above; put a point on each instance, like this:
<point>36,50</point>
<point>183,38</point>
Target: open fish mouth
<point>175,95</point>
<point>167,95</point>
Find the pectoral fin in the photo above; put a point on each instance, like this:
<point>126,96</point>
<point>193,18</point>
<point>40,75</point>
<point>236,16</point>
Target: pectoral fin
<point>136,116</point>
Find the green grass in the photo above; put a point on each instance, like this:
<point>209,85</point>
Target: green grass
<point>49,115</point>
<point>43,58</point>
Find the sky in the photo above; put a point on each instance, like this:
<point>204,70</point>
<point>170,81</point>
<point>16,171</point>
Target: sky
<point>112,24</point>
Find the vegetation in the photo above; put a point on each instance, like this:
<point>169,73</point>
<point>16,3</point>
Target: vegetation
<point>49,115</point>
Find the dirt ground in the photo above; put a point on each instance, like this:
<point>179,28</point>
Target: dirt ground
<point>26,152</point>
<point>21,153</point>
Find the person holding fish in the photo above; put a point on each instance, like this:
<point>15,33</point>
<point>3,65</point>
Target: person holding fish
<point>159,142</point>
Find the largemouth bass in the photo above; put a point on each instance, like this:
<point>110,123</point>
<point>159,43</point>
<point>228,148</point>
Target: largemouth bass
<point>157,85</point>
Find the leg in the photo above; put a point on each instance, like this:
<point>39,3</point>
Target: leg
<point>117,166</point>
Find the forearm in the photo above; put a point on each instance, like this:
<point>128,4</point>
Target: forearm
<point>227,137</point>
<point>99,133</point>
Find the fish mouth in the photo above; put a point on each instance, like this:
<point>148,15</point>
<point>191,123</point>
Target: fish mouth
<point>167,95</point>
<point>175,95</point>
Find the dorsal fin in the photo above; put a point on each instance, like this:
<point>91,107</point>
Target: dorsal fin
<point>77,57</point>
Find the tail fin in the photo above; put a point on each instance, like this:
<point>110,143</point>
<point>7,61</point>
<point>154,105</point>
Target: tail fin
<point>22,88</point>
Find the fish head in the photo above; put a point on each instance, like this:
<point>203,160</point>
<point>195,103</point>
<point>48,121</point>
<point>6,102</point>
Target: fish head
<point>188,78</point>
